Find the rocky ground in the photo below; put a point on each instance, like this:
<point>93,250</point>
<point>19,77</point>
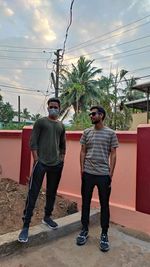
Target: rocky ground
<point>12,201</point>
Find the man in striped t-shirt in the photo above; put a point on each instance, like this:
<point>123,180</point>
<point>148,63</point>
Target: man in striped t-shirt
<point>97,161</point>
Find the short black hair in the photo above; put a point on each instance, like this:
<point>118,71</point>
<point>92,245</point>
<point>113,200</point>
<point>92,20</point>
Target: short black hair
<point>100,110</point>
<point>53,99</point>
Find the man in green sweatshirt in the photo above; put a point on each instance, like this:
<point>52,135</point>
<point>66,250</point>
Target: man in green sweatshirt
<point>48,146</point>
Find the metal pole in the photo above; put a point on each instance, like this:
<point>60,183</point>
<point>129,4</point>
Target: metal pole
<point>148,104</point>
<point>18,108</point>
<point>57,72</point>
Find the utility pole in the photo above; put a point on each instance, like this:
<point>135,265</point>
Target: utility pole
<point>18,108</point>
<point>56,81</point>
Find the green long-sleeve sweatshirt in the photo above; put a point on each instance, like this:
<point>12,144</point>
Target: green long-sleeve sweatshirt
<point>48,138</point>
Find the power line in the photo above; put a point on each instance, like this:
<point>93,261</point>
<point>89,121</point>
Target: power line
<point>137,78</point>
<point>21,88</point>
<point>142,52</point>
<point>115,35</point>
<point>20,58</point>
<point>67,30</point>
<point>23,93</point>
<point>31,48</point>
<point>21,51</point>
<point>140,69</point>
<point>127,51</point>
<point>18,68</point>
<point>104,49</point>
<point>90,40</point>
<point>107,57</point>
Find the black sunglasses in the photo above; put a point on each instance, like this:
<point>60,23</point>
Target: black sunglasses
<point>93,113</point>
<point>53,107</point>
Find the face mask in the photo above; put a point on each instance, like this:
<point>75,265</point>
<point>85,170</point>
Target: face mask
<point>53,112</point>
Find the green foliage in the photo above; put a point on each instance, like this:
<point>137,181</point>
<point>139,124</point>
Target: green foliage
<point>115,90</point>
<point>80,122</point>
<point>35,117</point>
<point>79,86</point>
<point>14,126</point>
<point>25,114</point>
<point>6,111</point>
<point>81,89</point>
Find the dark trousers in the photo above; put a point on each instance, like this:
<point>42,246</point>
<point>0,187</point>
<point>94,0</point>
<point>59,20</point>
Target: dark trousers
<point>53,175</point>
<point>103,183</point>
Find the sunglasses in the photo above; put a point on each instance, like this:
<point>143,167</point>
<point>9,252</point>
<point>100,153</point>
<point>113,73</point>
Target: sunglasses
<point>93,113</point>
<point>53,107</point>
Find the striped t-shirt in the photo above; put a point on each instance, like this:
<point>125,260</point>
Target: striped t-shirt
<point>98,146</point>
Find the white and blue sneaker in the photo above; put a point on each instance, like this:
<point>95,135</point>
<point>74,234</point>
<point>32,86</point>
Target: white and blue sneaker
<point>82,237</point>
<point>104,243</point>
<point>23,236</point>
<point>50,223</point>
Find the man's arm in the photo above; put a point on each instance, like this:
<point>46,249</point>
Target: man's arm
<point>62,145</point>
<point>35,155</point>
<point>0,169</point>
<point>82,157</point>
<point>34,140</point>
<point>112,160</point>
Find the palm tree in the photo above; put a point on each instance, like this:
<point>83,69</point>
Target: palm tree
<point>25,114</point>
<point>116,89</point>
<point>79,88</point>
<point>35,117</point>
<point>6,111</point>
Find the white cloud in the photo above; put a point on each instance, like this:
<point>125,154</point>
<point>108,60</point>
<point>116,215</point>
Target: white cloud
<point>42,27</point>
<point>145,6</point>
<point>132,4</point>
<point>42,23</point>
<point>5,10</point>
<point>35,3</point>
<point>8,12</point>
<point>18,71</point>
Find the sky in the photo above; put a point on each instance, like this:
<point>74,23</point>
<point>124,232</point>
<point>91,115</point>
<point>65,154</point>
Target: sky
<point>113,33</point>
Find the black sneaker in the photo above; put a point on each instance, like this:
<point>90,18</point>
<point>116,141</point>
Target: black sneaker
<point>104,243</point>
<point>23,236</point>
<point>82,238</point>
<point>50,223</point>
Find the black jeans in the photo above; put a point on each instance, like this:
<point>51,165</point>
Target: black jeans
<point>103,183</point>
<point>53,175</point>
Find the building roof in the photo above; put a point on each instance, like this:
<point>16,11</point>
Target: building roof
<point>138,104</point>
<point>144,87</point>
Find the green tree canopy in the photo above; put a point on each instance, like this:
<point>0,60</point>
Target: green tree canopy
<point>79,85</point>
<point>6,111</point>
<point>25,114</point>
<point>35,117</point>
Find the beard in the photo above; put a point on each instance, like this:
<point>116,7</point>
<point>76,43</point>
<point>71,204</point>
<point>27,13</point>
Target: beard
<point>95,122</point>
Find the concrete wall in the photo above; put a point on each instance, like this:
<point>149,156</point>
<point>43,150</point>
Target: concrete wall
<point>138,118</point>
<point>10,151</point>
<point>123,202</point>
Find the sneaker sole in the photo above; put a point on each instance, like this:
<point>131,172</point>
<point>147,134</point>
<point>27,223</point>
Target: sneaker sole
<point>82,243</point>
<point>22,241</point>
<point>104,250</point>
<point>53,228</point>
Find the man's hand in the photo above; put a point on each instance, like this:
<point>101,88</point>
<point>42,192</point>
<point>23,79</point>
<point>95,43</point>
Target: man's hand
<point>0,169</point>
<point>35,156</point>
<point>35,161</point>
<point>112,161</point>
<point>81,172</point>
<point>62,157</point>
<point>82,158</point>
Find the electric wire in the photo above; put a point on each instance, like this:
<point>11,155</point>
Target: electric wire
<point>108,33</point>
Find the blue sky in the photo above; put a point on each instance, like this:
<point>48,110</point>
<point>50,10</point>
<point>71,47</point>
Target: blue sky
<point>29,24</point>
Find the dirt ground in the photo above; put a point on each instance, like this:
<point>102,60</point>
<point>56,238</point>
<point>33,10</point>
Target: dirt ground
<point>12,201</point>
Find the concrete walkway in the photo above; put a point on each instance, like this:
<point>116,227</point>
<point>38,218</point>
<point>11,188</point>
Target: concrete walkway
<point>126,251</point>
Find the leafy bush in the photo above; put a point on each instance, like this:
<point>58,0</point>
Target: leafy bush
<point>80,122</point>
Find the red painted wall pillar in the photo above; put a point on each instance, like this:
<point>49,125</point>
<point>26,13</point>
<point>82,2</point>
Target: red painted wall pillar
<point>143,169</point>
<point>25,156</point>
